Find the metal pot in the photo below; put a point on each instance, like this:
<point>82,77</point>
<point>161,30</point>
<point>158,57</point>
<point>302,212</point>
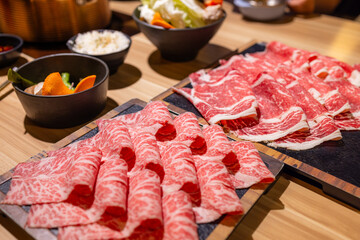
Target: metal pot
<point>52,20</point>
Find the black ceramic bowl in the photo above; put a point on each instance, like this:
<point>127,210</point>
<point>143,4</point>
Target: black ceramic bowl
<point>113,60</point>
<point>65,110</point>
<point>10,56</point>
<point>178,44</point>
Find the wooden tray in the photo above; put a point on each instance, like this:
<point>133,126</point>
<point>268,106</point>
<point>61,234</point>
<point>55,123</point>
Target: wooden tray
<point>332,166</point>
<point>220,229</point>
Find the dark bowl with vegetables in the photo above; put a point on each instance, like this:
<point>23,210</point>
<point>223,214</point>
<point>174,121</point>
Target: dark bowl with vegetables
<point>75,104</point>
<point>10,49</point>
<point>114,58</point>
<point>178,44</point>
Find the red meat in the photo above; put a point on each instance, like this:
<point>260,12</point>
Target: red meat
<point>189,132</point>
<point>179,219</point>
<point>237,108</point>
<point>53,179</point>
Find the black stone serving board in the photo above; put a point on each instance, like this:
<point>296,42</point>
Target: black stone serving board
<point>340,159</point>
<point>18,213</point>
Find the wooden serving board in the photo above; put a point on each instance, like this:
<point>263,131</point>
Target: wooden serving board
<point>219,229</point>
<point>333,166</point>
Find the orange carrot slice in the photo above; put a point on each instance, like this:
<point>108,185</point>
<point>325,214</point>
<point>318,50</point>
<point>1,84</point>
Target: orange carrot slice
<point>85,83</point>
<point>212,2</point>
<point>159,21</point>
<point>53,85</point>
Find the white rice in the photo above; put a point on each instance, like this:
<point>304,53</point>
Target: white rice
<point>98,43</point>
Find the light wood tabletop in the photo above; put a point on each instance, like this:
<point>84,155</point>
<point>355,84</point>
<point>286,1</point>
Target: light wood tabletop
<point>292,209</point>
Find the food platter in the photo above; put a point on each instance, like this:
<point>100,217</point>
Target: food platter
<point>332,166</point>
<point>220,228</point>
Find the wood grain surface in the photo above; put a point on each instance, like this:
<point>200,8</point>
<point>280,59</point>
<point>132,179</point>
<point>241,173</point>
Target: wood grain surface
<point>294,210</point>
<point>303,216</point>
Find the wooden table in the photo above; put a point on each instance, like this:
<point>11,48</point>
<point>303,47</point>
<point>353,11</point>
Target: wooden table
<point>292,209</point>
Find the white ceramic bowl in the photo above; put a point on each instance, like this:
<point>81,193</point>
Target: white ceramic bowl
<point>114,59</point>
<point>261,12</point>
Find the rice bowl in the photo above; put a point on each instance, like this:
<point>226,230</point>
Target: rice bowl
<point>111,46</point>
<point>100,42</point>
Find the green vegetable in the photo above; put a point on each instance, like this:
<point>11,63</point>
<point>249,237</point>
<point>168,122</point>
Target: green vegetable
<point>17,78</point>
<point>66,80</point>
<point>193,12</point>
<point>180,13</point>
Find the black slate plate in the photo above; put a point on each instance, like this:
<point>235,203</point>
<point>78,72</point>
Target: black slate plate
<point>340,159</point>
<point>18,214</point>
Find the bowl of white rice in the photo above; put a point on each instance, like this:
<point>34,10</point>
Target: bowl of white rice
<point>111,46</point>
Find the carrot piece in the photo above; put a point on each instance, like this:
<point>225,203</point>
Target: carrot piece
<point>53,85</point>
<point>159,21</point>
<point>85,83</point>
<point>212,2</point>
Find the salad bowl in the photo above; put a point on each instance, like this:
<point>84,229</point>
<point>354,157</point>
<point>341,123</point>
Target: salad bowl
<point>61,111</point>
<point>178,44</point>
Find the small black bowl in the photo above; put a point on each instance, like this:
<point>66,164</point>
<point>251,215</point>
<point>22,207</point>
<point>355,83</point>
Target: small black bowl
<point>9,57</point>
<point>181,44</point>
<point>65,110</point>
<point>113,60</point>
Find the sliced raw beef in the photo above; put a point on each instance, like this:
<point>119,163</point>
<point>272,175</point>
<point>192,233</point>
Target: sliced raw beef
<point>154,118</point>
<point>179,219</point>
<point>144,203</point>
<point>147,152</point>
<point>216,200</point>
<point>320,65</point>
<point>219,146</point>
<point>355,77</point>
<point>252,170</point>
<point>341,77</point>
<point>180,172</point>
<point>115,138</point>
<point>73,211</point>
<point>245,68</point>
<point>333,101</point>
<point>218,194</point>
<point>227,100</point>
<point>54,179</point>
<point>313,109</point>
<point>322,127</point>
<point>347,121</point>
<point>298,58</point>
<point>280,115</point>
<point>108,227</point>
<point>337,79</point>
<point>357,67</point>
<point>110,196</point>
<point>111,187</point>
<point>211,170</point>
<point>189,132</point>
<point>282,51</point>
<point>335,69</point>
<point>71,149</point>
<point>112,137</point>
<point>144,219</point>
<point>303,98</point>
